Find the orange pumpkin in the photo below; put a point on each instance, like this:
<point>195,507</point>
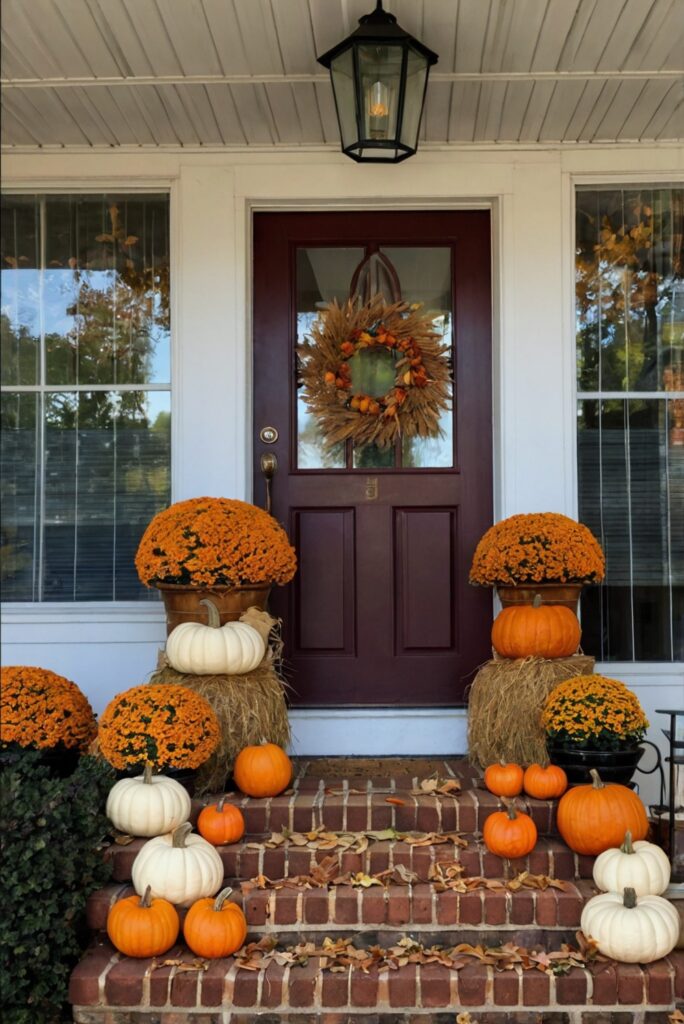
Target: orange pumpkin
<point>143,927</point>
<point>545,783</point>
<point>537,630</point>
<point>265,770</point>
<point>504,779</point>
<point>214,928</point>
<point>221,823</point>
<point>509,833</point>
<point>595,817</point>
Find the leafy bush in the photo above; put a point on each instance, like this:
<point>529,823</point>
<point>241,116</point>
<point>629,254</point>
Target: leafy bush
<point>51,833</point>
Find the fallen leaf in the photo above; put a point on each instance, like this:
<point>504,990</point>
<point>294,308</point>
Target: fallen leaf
<point>395,800</point>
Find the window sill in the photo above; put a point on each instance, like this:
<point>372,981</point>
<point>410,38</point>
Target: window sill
<point>85,612</point>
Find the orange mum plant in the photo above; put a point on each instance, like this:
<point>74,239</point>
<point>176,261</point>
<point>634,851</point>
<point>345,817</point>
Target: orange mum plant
<point>537,547</point>
<point>40,709</point>
<point>594,711</point>
<point>214,541</point>
<point>166,725</point>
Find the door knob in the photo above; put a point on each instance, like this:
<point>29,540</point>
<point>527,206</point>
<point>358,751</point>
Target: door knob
<point>269,465</point>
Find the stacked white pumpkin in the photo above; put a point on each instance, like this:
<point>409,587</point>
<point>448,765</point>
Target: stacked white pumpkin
<point>235,648</point>
<point>631,921</point>
<point>176,865</point>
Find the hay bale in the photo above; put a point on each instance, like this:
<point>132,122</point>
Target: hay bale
<point>249,708</point>
<point>505,702</point>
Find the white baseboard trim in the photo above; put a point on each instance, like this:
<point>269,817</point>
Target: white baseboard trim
<point>378,731</point>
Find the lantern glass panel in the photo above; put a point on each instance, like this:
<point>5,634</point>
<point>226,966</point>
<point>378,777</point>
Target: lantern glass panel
<point>416,74</point>
<point>380,78</point>
<point>342,75</point>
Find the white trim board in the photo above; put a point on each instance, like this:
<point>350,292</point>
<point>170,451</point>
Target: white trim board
<point>378,731</point>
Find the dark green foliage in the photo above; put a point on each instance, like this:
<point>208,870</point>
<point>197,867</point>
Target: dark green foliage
<point>51,831</point>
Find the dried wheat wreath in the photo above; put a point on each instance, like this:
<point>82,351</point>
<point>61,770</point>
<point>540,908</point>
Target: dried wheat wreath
<point>419,394</point>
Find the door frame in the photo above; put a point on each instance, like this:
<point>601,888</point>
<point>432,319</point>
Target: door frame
<point>414,730</point>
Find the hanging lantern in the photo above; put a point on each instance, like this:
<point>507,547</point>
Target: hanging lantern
<point>379,76</point>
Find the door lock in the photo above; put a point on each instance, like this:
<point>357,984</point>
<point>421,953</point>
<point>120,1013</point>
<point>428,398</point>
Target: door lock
<point>269,435</point>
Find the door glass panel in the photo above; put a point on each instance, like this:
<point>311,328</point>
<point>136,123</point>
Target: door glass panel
<point>420,275</point>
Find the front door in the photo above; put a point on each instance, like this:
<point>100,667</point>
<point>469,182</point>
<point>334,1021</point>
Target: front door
<point>380,611</point>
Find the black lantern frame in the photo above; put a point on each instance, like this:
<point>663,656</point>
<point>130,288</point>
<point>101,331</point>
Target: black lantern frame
<point>379,76</point>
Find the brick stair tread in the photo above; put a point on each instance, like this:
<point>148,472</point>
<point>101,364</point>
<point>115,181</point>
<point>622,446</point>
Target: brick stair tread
<point>417,907</point>
<point>550,857</point>
<point>345,809</point>
<point>104,981</point>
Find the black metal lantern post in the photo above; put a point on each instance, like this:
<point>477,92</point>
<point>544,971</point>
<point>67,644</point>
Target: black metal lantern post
<point>379,77</point>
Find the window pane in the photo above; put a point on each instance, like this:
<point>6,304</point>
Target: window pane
<point>19,446</point>
<point>20,309</point>
<point>106,290</point>
<point>107,457</point>
<point>631,487</point>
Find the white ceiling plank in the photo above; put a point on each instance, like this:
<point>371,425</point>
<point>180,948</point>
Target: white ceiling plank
<point>536,111</point>
<point>515,102</point>
<point>527,19</point>
<point>497,36</point>
<point>157,113</point>
<point>58,36</point>
<point>672,106</point>
<point>305,100</point>
<point>439,27</point>
<point>14,127</point>
<point>190,36</point>
<point>14,62</point>
<point>470,34</point>
<point>329,24</point>
<point>604,99</point>
<point>295,33</point>
<point>225,31</point>
<point>223,105</point>
<point>436,113</point>
<point>139,125</point>
<point>672,129</point>
<point>590,96</point>
<point>44,116</point>
<point>645,110</point>
<point>121,32</point>
<point>173,99</point>
<point>410,16</point>
<point>558,20</point>
<point>153,36</point>
<point>594,21</point>
<point>663,28</point>
<point>624,101</point>
<point>326,105</point>
<point>86,116</point>
<point>463,111</point>
<point>93,39</point>
<point>490,111</point>
<point>259,36</point>
<point>108,110</point>
<point>562,106</point>
<point>255,117</point>
<point>201,112</point>
<point>22,35</point>
<point>632,22</point>
<point>285,114</point>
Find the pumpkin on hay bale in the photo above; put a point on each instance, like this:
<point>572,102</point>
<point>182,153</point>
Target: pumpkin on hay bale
<point>505,703</point>
<point>249,707</point>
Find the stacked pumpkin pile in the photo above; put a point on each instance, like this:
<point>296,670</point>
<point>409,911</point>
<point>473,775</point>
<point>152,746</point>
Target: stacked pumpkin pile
<point>178,874</point>
<point>629,921</point>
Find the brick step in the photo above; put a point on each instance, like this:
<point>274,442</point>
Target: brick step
<point>108,989</point>
<point>418,907</point>
<point>550,857</point>
<point>345,809</point>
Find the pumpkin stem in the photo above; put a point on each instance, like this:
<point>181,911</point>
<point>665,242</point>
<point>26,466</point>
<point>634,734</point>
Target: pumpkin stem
<point>630,898</point>
<point>179,835</point>
<point>146,898</point>
<point>219,805</point>
<point>213,617</point>
<point>596,779</point>
<point>510,808</point>
<point>147,772</point>
<point>627,845</point>
<point>222,897</point>
<point>537,601</point>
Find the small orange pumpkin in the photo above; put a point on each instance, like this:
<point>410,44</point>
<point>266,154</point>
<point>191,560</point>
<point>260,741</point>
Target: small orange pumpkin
<point>595,817</point>
<point>214,928</point>
<point>545,783</point>
<point>221,823</point>
<point>141,926</point>
<point>509,833</point>
<point>537,630</point>
<point>504,779</point>
<point>264,770</point>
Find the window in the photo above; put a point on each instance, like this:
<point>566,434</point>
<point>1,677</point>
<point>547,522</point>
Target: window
<point>630,366</point>
<point>86,400</point>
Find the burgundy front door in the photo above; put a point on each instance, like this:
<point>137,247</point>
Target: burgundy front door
<point>380,611</point>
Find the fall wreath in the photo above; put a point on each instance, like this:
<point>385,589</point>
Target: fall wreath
<point>373,372</point>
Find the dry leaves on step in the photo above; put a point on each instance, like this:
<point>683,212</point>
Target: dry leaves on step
<point>327,873</point>
<point>122,839</point>
<point>434,786</point>
<point>676,1018</point>
<point>180,965</point>
<point>451,876</point>
<point>356,842</point>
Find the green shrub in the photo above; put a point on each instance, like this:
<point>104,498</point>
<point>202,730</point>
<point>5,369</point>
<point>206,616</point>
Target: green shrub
<point>51,832</point>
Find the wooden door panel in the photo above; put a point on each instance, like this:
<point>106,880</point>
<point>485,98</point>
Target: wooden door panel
<point>380,611</point>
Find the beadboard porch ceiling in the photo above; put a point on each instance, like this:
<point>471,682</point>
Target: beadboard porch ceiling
<point>237,73</point>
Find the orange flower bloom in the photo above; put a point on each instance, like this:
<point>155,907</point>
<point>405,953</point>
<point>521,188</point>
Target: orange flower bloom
<point>537,547</point>
<point>168,725</point>
<point>40,709</point>
<point>594,709</point>
<point>214,541</point>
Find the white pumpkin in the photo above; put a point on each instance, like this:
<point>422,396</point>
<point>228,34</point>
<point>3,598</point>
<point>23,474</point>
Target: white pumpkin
<point>642,866</point>
<point>635,931</point>
<point>148,805</point>
<point>231,649</point>
<point>179,867</point>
